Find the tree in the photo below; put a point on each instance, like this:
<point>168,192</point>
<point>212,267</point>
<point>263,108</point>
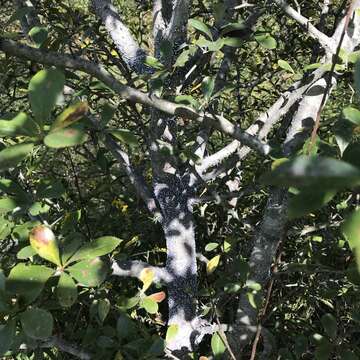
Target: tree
<point>193,103</point>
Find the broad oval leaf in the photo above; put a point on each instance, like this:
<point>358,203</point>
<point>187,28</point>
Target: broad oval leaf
<point>66,290</point>
<point>38,34</point>
<point>212,264</point>
<point>7,335</point>
<point>125,136</point>
<point>70,115</point>
<point>98,247</point>
<point>146,276</point>
<point>351,230</point>
<point>266,41</point>
<point>37,323</point>
<point>200,26</point>
<point>217,345</point>
<point>70,136</point>
<point>149,305</point>
<point>352,115</point>
<point>20,124</point>
<point>103,309</point>
<point>329,323</point>
<point>12,155</point>
<point>286,66</point>
<point>43,241</point>
<point>308,200</point>
<point>158,297</point>
<point>28,280</point>
<point>45,87</point>
<point>26,253</point>
<point>125,326</point>
<point>171,332</point>
<point>89,273</point>
<point>306,171</point>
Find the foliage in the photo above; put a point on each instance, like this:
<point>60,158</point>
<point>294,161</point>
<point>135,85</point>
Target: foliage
<point>58,176</point>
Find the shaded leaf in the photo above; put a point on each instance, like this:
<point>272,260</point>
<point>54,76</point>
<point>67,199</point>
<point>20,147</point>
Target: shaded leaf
<point>329,323</point>
<point>12,155</point>
<point>37,323</point>
<point>125,136</point>
<point>266,41</point>
<point>7,335</point>
<point>45,87</point>
<point>305,171</point>
<point>66,290</point>
<point>351,230</point>
<point>38,34</point>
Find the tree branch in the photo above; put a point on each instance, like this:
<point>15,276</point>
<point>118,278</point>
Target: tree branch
<point>126,92</point>
<point>129,49</point>
<point>134,269</point>
<point>326,42</point>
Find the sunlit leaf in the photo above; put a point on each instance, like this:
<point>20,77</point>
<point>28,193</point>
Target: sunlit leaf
<point>125,136</point>
<point>149,305</point>
<point>72,135</point>
<point>352,115</point>
<point>98,247</point>
<point>171,332</point>
<point>43,241</point>
<point>200,26</point>
<point>266,41</point>
<point>20,124</point>
<point>212,264</point>
<point>286,66</point>
<point>157,297</point>
<point>146,276</point>
<point>89,273</point>
<point>217,346</point>
<point>351,230</point>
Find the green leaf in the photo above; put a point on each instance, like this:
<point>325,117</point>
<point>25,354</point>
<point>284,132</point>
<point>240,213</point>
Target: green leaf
<point>66,290</point>
<point>286,66</point>
<point>352,115</point>
<point>182,58</point>
<point>26,253</point>
<point>70,136</point>
<point>352,154</point>
<point>329,323</point>
<point>343,131</point>
<point>351,230</point>
<point>207,86</point>
<point>50,189</point>
<point>98,247</point>
<point>153,62</point>
<point>217,346</point>
<point>38,34</point>
<point>125,136</point>
<point>233,42</point>
<point>7,335</point>
<point>200,26</point>
<point>210,45</point>
<point>211,246</point>
<point>89,273</point>
<point>103,309</point>
<point>70,245</point>
<point>307,171</point>
<point>70,115</point>
<point>37,323</point>
<point>357,77</point>
<point>266,41</point>
<point>28,280</point>
<point>125,326</point>
<point>20,124</point>
<point>8,204</point>
<point>308,200</point>
<point>312,66</point>
<point>171,332</point>
<point>149,305</point>
<point>44,90</point>
<point>12,155</point>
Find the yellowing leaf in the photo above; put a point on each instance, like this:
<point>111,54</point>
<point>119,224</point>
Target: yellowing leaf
<point>147,277</point>
<point>212,264</point>
<point>171,332</point>
<point>43,241</point>
<point>71,115</point>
